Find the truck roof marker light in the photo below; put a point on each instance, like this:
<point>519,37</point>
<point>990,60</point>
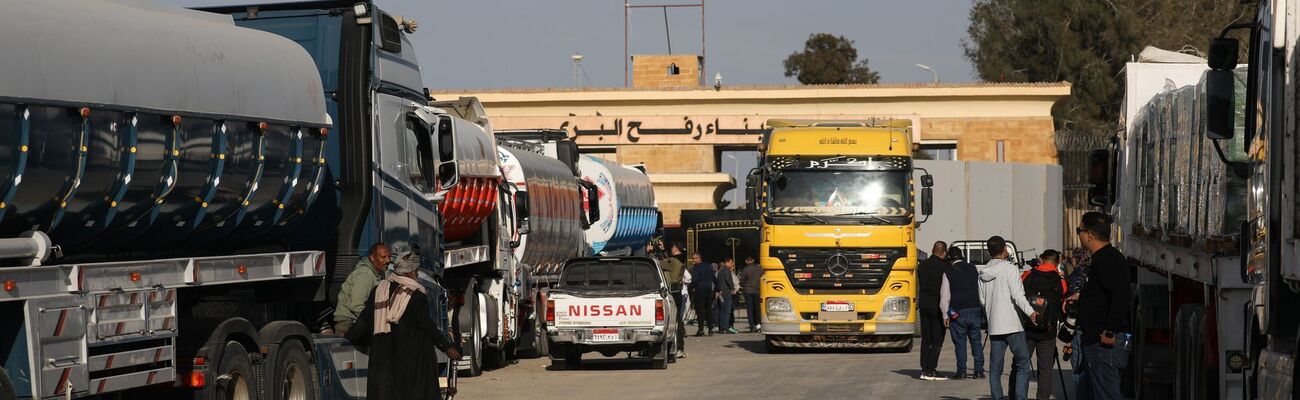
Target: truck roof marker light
<point>324,132</point>
<point>11,285</point>
<point>261,126</point>
<point>85,112</point>
<point>135,277</point>
<point>241,269</point>
<point>200,361</point>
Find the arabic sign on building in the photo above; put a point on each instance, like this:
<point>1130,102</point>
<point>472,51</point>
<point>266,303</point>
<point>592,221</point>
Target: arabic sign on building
<point>668,129</point>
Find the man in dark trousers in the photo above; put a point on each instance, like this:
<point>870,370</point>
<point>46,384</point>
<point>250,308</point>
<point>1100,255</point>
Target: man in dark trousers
<point>1103,309</point>
<point>703,290</point>
<point>929,276</point>
<point>1045,288</point>
<point>750,276</point>
<point>959,297</point>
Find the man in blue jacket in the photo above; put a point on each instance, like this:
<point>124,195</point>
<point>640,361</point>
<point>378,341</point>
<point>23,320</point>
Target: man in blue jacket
<point>703,290</point>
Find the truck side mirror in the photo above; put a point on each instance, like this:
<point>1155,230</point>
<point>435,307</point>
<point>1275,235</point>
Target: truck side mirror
<point>927,180</point>
<point>927,201</point>
<point>1099,183</point>
<point>1220,82</point>
<point>592,201</point>
<point>521,212</point>
<point>448,175</point>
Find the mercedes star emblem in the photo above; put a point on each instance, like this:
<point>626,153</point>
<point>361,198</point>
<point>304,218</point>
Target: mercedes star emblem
<point>838,265</point>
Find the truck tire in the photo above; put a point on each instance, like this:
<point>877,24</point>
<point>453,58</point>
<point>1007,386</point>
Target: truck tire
<point>468,319</point>
<point>1189,353</point>
<point>296,374</point>
<point>235,379</point>
<point>543,342</point>
<point>494,357</point>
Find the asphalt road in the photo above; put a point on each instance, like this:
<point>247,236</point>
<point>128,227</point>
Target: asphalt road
<point>732,367</point>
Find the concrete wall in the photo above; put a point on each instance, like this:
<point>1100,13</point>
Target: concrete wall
<point>976,199</point>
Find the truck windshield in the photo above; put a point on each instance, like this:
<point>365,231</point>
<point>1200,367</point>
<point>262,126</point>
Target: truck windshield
<point>611,276</point>
<point>839,193</point>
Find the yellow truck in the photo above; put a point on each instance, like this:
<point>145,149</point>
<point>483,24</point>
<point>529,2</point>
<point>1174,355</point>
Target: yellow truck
<point>838,220</point>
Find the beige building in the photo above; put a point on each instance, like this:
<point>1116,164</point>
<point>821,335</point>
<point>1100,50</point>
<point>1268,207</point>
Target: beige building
<point>681,130</point>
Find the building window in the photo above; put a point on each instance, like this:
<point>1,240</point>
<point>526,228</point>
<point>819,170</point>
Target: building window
<point>673,70</point>
<point>1002,151</point>
<point>942,150</point>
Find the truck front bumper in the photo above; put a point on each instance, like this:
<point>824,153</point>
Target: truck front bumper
<point>856,334</point>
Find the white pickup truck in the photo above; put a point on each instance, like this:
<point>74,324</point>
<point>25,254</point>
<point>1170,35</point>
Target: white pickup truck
<point>611,305</point>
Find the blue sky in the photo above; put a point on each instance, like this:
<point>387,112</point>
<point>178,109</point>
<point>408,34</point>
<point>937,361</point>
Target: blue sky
<point>527,43</point>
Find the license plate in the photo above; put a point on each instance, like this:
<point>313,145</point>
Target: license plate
<point>837,306</point>
<point>605,335</point>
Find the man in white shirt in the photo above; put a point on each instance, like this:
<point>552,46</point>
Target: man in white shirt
<point>1001,293</point>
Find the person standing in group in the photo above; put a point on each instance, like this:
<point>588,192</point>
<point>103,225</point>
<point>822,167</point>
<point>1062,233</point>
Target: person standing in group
<point>735,295</point>
<point>1103,311</point>
<point>703,291</point>
<point>726,287</point>
<point>396,326</point>
<point>359,283</point>
<point>960,299</point>
<point>674,271</point>
<point>1045,288</point>
<point>929,276</point>
<point>750,277</point>
<point>1076,277</point>
<point>1001,294</point>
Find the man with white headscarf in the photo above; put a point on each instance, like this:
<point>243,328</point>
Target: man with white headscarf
<point>402,336</point>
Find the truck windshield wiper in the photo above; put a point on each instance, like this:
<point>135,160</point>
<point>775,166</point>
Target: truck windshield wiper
<point>804,214</point>
<point>866,214</point>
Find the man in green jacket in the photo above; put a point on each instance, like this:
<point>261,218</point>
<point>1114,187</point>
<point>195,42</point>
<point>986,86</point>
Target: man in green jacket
<point>356,289</point>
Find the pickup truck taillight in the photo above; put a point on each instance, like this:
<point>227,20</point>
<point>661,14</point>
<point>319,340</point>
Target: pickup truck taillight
<point>659,311</point>
<point>550,311</point>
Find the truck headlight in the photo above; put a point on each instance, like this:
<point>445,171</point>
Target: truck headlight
<point>779,309</point>
<point>896,308</point>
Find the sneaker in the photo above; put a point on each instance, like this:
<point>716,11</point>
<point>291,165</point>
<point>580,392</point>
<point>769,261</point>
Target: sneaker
<point>978,375</point>
<point>732,330</point>
<point>681,354</point>
<point>937,376</point>
<point>959,376</point>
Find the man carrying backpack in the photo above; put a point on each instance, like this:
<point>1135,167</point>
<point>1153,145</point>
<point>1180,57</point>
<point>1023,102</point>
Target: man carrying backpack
<point>1045,288</point>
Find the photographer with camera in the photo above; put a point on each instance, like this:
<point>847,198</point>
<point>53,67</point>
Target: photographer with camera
<point>1045,288</point>
<point>674,272</point>
<point>1103,311</point>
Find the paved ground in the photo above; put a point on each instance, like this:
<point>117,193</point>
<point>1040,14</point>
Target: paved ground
<point>730,367</point>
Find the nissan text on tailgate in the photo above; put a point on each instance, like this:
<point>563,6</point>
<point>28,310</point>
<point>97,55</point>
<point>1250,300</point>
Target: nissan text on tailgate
<point>611,305</point>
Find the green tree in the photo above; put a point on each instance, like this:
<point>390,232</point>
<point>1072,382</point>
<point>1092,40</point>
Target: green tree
<point>827,58</point>
<point>1087,42</point>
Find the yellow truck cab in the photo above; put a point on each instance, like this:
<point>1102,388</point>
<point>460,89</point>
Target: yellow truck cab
<point>838,244</point>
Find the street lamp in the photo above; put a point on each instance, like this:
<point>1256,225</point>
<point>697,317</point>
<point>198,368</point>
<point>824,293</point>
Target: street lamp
<point>932,71</point>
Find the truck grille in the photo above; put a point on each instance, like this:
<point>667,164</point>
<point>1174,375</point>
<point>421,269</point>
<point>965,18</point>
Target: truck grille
<point>838,268</point>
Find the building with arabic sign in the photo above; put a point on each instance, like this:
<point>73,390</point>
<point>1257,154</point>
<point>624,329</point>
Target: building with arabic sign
<point>698,142</point>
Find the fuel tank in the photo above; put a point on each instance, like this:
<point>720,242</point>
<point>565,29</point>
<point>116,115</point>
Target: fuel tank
<point>628,217</point>
<point>198,133</point>
<point>554,208</point>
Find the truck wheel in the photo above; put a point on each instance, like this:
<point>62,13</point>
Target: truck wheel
<point>296,374</point>
<point>469,321</point>
<point>543,342</point>
<point>235,379</point>
<point>1189,353</point>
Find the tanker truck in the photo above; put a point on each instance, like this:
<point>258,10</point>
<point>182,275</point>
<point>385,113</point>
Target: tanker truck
<point>571,205</point>
<point>176,215</point>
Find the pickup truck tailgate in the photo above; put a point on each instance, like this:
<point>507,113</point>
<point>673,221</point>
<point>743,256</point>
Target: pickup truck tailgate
<point>604,311</point>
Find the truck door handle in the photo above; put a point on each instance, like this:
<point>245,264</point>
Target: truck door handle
<point>65,361</point>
